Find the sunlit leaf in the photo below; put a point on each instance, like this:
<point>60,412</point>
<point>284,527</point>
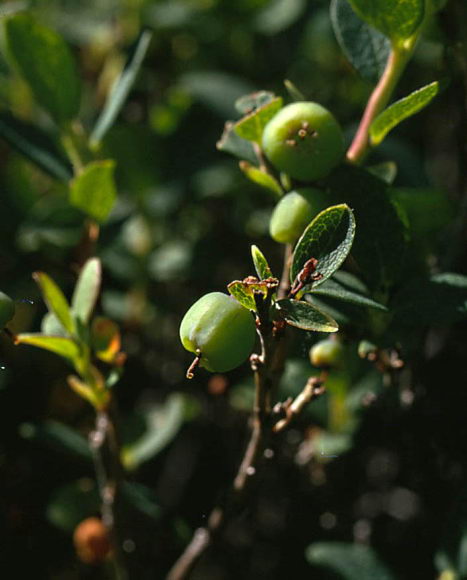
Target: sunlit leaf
<point>305,316</point>
<point>261,178</point>
<point>93,190</point>
<point>86,290</point>
<point>55,300</point>
<point>60,345</point>
<point>261,264</point>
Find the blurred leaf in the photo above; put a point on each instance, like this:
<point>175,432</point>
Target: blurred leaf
<point>46,64</point>
<point>366,48</point>
<point>452,552</point>
<point>247,104</point>
<point>232,143</point>
<point>105,337</point>
<point>333,289</point>
<point>93,190</point>
<point>401,110</point>
<point>60,345</point>
<point>72,503</point>
<point>328,238</point>
<point>251,127</point>
<point>380,238</point>
<point>121,88</point>
<point>261,178</point>
<point>348,561</point>
<point>55,300</point>
<point>86,290</point>
<point>279,15</point>
<point>386,171</point>
<point>261,264</point>
<point>162,424</point>
<point>35,145</point>
<point>141,498</point>
<point>52,326</point>
<point>396,19</point>
<point>59,437</point>
<point>305,316</point>
<point>440,300</point>
<point>293,91</point>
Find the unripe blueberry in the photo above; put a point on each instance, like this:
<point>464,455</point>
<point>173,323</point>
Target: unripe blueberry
<point>294,212</point>
<point>328,353</point>
<point>219,330</point>
<point>7,309</point>
<point>304,140</point>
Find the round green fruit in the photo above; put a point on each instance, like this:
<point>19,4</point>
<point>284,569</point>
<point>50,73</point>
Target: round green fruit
<point>328,353</point>
<point>294,212</point>
<point>7,309</point>
<point>218,330</point>
<point>303,140</point>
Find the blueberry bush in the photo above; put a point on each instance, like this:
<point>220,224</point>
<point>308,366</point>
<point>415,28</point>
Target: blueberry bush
<point>233,289</point>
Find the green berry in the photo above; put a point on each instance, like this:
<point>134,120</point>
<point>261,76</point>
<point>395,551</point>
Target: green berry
<point>328,353</point>
<point>294,212</point>
<point>303,140</point>
<point>7,309</point>
<point>219,330</point>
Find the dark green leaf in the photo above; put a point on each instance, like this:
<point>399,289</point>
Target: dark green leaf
<point>73,503</point>
<point>141,498</point>
<point>328,239</point>
<point>401,110</point>
<point>397,19</point>
<point>232,143</point>
<point>333,289</point>
<point>46,64</point>
<point>35,145</point>
<point>366,48</point>
<point>305,316</point>
<point>55,300</point>
<point>380,239</point>
<point>251,127</point>
<point>162,424</point>
<point>348,561</point>
<point>60,345</point>
<point>93,190</point>
<point>58,437</point>
<point>438,301</point>
<point>249,103</point>
<point>87,290</point>
<point>261,264</point>
<point>122,87</point>
<point>261,178</point>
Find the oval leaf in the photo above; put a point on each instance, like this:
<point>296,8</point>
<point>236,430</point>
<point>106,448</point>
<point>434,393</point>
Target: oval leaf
<point>86,290</point>
<point>93,190</point>
<point>261,178</point>
<point>251,127</point>
<point>65,347</point>
<point>261,264</point>
<point>46,64</point>
<point>366,48</point>
<point>121,88</point>
<point>332,289</point>
<point>401,110</point>
<point>328,239</point>
<point>397,19</point>
<point>55,300</point>
<point>305,316</point>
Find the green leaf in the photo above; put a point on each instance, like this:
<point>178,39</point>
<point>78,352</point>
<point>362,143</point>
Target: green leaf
<point>261,178</point>
<point>440,300</point>
<point>232,143</point>
<point>396,19</point>
<point>58,437</point>
<point>52,326</point>
<point>141,498</point>
<point>61,345</point>
<point>249,103</point>
<point>278,15</point>
<point>401,110</point>
<point>86,290</point>
<point>35,145</point>
<point>162,424</point>
<point>305,316</point>
<point>244,292</point>
<point>366,48</point>
<point>380,239</point>
<point>295,93</point>
<point>93,190</point>
<point>121,88</point>
<point>251,127</point>
<point>386,171</point>
<point>328,239</point>
<point>348,561</point>
<point>55,300</point>
<point>333,289</point>
<point>261,264</point>
<point>45,62</point>
<point>72,503</point>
